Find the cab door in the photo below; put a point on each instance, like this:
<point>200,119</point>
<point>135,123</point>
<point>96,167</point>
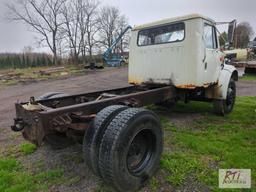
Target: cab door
<point>212,60</point>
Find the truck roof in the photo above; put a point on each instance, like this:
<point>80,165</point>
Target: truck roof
<point>171,20</point>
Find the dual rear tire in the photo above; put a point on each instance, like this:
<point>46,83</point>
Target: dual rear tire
<point>124,146</point>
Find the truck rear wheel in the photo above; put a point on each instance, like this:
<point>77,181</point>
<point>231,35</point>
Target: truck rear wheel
<point>94,135</point>
<point>131,149</point>
<point>224,107</point>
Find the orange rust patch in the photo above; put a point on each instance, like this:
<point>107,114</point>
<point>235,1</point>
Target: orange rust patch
<point>134,81</point>
<point>189,86</point>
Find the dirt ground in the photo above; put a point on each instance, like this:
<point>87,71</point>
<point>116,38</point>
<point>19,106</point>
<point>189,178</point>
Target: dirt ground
<point>70,159</point>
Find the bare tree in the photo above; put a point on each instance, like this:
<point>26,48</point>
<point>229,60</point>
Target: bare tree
<point>109,18</point>
<point>71,13</point>
<point>243,33</point>
<point>112,24</point>
<point>27,49</point>
<point>91,25</point>
<point>74,24</point>
<point>80,26</point>
<point>42,16</point>
<point>121,26</point>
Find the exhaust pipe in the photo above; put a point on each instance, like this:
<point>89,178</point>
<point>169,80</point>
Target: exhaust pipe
<point>19,125</point>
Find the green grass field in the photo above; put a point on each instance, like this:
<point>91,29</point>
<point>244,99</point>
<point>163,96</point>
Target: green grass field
<point>197,150</point>
<point>249,77</point>
<point>15,178</point>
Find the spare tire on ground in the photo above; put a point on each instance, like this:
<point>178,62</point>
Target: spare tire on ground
<point>52,95</point>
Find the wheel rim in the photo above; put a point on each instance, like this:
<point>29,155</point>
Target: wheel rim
<point>140,152</point>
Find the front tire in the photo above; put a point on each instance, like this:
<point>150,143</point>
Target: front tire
<point>131,149</point>
<point>122,63</point>
<point>224,107</point>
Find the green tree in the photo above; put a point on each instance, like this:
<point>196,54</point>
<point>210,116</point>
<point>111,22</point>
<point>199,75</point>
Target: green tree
<point>23,65</point>
<point>28,62</point>
<point>223,38</point>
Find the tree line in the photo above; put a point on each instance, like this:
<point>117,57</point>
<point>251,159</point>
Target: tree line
<point>24,60</point>
<point>77,28</point>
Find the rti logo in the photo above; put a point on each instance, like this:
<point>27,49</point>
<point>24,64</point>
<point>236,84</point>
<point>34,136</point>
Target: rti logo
<point>235,178</point>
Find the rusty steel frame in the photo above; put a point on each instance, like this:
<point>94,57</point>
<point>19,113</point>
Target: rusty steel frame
<point>38,124</point>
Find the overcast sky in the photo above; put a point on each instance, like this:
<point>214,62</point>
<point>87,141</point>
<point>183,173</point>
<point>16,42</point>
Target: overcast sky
<point>13,36</point>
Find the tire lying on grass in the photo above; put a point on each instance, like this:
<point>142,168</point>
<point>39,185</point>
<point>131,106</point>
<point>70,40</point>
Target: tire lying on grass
<point>94,135</point>
<point>131,149</point>
<point>224,107</point>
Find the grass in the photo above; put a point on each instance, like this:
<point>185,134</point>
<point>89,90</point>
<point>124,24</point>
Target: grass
<point>27,148</point>
<point>154,184</point>
<point>180,165</point>
<point>32,74</point>
<point>249,77</point>
<point>199,149</point>
<point>13,177</point>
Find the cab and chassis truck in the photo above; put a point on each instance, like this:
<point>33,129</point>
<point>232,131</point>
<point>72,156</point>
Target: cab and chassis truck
<point>170,60</point>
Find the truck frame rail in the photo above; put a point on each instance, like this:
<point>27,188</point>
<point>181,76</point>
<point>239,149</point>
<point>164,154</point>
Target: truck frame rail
<point>38,118</point>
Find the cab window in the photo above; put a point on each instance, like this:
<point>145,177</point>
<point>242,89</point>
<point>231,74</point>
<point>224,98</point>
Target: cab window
<point>210,37</point>
<point>164,34</point>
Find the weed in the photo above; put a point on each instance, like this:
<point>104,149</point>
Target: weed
<point>27,148</point>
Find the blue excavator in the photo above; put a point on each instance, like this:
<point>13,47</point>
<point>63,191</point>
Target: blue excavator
<point>111,59</point>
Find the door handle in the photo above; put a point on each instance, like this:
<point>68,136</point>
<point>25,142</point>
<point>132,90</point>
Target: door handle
<point>205,65</point>
<point>204,56</point>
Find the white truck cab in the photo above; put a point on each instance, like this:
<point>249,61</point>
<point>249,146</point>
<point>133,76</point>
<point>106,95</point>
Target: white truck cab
<point>184,52</point>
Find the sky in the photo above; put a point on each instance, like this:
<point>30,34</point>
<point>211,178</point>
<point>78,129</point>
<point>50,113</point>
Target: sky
<point>15,36</point>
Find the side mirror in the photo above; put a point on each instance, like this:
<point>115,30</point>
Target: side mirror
<point>231,32</point>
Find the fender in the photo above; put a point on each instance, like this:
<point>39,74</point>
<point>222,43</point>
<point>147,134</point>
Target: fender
<point>219,91</point>
<point>226,74</point>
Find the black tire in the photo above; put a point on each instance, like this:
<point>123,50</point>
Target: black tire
<point>94,135</point>
<point>224,107</point>
<point>131,149</point>
<point>51,95</point>
<point>122,63</point>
